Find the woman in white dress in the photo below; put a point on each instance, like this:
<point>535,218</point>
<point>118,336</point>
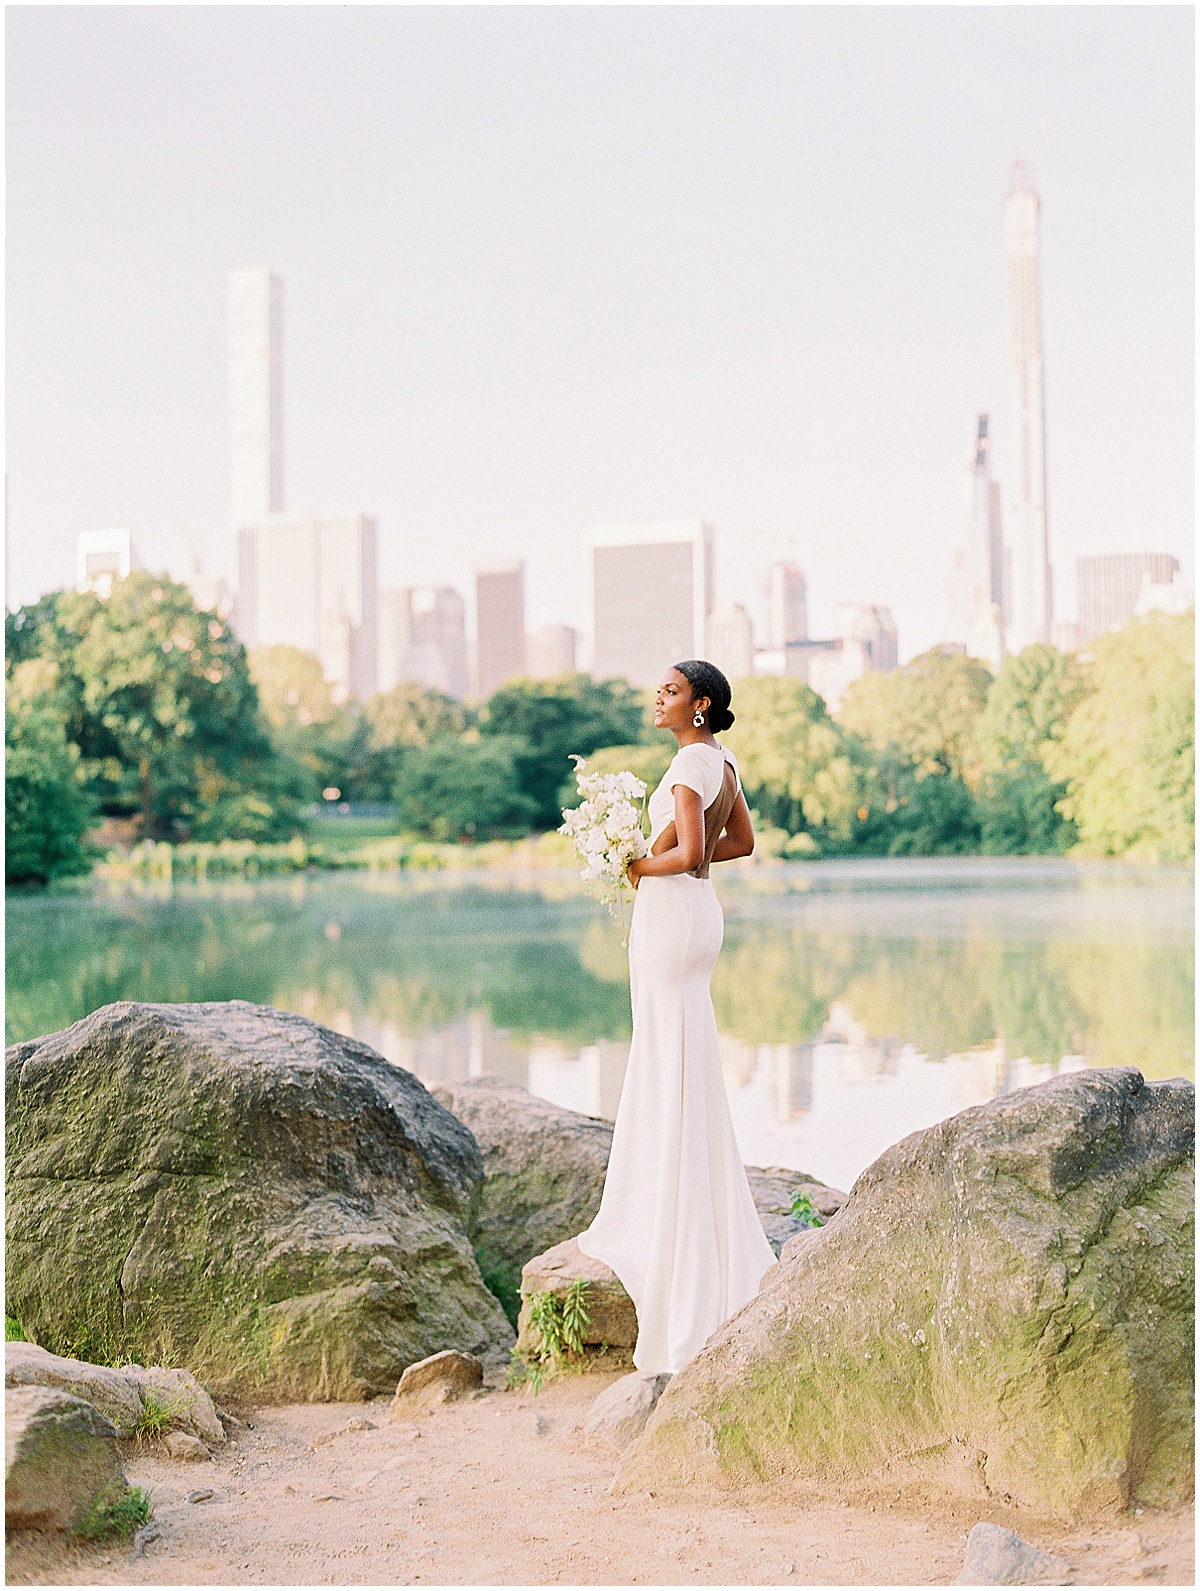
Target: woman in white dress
<point>677,1222</point>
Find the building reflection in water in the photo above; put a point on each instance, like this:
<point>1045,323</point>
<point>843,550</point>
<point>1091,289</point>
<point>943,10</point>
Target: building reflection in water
<point>829,1106</point>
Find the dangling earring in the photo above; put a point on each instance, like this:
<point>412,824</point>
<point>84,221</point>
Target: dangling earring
<point>698,719</point>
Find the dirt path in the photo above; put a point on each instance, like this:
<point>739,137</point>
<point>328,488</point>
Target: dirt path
<point>500,1490</point>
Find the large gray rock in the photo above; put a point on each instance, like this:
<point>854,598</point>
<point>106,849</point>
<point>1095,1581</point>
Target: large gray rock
<point>242,1191</point>
<point>60,1458</point>
<point>1004,1307</point>
<point>120,1395</point>
<point>543,1172</point>
<point>619,1414</point>
<point>996,1556</point>
<point>109,1391</point>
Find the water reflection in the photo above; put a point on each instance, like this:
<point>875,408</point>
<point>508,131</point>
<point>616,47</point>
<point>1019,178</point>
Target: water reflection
<point>855,1004</point>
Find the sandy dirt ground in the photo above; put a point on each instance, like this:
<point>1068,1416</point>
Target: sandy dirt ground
<point>502,1490</point>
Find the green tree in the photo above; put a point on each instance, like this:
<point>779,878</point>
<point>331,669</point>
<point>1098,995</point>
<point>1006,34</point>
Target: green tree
<point>916,729</point>
<point>50,631</point>
<point>1028,706</point>
<point>928,712</point>
<point>465,790</point>
<point>555,718</point>
<point>329,740</point>
<point>157,696</point>
<point>796,766</point>
<point>400,720</point>
<point>1027,712</point>
<point>291,686</point>
<point>1128,755</point>
<point>1019,815</point>
<point>923,812</point>
<point>47,809</point>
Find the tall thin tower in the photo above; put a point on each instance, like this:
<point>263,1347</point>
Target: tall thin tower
<point>979,574</point>
<point>255,396</point>
<point>1032,602</point>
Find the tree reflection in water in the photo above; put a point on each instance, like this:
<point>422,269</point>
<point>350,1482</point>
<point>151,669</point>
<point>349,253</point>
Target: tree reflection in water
<point>1070,970</point>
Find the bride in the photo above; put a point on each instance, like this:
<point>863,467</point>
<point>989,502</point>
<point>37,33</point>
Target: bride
<point>677,1222</point>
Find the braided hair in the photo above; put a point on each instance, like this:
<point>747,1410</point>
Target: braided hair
<point>706,679</point>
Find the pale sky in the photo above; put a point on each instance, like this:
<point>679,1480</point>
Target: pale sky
<point>550,266</point>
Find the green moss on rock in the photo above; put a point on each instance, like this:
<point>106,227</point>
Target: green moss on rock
<point>1003,1307</point>
<point>244,1192</point>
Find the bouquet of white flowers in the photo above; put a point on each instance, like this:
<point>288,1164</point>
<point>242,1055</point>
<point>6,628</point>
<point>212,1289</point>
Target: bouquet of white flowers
<point>606,828</point>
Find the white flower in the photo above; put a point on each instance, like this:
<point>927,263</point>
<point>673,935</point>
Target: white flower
<point>606,827</point>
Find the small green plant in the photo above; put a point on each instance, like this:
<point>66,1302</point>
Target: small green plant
<point>804,1211</point>
<point>12,1330</point>
<point>557,1323</point>
<point>115,1515</point>
<point>158,1414</point>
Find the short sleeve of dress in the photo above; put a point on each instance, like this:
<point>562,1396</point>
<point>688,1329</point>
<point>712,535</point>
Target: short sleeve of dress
<point>689,769</point>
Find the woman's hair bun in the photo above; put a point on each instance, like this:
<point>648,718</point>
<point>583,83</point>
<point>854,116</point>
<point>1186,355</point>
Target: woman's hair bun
<point>706,679</point>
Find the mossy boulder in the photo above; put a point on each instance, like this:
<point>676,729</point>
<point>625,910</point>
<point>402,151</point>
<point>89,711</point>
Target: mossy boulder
<point>61,1458</point>
<point>120,1395</point>
<point>1003,1309</point>
<point>543,1173</point>
<point>244,1192</point>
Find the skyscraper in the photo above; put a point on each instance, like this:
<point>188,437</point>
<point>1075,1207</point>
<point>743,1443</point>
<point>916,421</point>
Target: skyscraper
<point>255,396</point>
<point>787,606</point>
<point>423,639</point>
<point>552,650</point>
<point>308,580</point>
<point>102,556</point>
<point>652,585</point>
<point>1032,600</point>
<point>1109,587</point>
<point>874,628</point>
<point>978,598</point>
<point>499,627</point>
<point>731,641</point>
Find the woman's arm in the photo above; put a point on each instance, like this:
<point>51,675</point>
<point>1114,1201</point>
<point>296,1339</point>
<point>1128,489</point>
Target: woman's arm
<point>738,838</point>
<point>687,852</point>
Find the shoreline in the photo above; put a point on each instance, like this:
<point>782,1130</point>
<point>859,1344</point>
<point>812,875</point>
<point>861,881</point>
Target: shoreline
<point>546,856</point>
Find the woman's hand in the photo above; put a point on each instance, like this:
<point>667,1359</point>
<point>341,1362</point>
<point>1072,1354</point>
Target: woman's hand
<point>634,871</point>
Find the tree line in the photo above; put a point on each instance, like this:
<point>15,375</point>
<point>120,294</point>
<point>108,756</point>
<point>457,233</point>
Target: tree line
<point>145,708</point>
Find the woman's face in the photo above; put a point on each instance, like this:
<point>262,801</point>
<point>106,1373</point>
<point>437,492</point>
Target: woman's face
<point>675,706</point>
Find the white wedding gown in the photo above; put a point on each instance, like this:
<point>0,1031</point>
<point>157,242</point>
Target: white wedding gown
<point>677,1222</point>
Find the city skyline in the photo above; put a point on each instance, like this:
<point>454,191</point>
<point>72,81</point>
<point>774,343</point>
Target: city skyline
<point>791,352</point>
<point>309,580</point>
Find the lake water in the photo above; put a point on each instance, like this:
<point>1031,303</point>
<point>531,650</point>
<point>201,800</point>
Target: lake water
<point>857,1001</point>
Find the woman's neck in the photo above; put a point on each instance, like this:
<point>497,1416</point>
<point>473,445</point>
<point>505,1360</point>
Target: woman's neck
<point>689,735</point>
